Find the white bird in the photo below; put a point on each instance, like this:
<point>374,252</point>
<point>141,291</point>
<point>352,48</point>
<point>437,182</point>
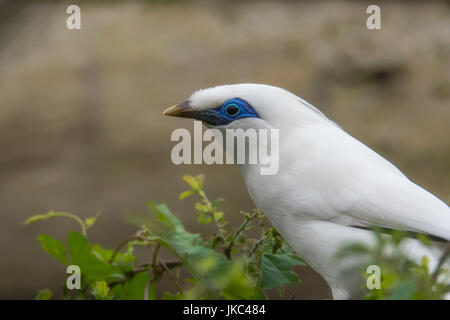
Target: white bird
<point>328,185</point>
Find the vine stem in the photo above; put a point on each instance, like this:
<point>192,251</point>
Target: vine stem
<point>235,235</point>
<point>256,245</point>
<point>204,197</point>
<point>74,217</point>
<point>172,277</point>
<point>120,246</point>
<point>155,260</point>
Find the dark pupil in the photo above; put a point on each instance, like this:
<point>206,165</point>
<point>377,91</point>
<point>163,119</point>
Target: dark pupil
<point>232,110</point>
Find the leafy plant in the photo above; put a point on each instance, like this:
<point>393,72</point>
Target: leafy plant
<point>230,264</point>
<point>401,277</point>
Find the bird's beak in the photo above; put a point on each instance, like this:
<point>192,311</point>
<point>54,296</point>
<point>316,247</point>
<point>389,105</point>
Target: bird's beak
<point>182,110</point>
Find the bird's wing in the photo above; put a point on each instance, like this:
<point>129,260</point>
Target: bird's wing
<point>370,191</point>
<point>403,206</point>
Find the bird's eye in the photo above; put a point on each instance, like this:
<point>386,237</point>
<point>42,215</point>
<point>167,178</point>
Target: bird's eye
<point>232,110</point>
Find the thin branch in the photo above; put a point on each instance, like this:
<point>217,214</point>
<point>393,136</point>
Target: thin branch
<point>244,224</point>
<point>123,243</point>
<point>256,245</point>
<point>174,279</point>
<point>204,197</point>
<point>169,263</point>
<point>155,260</point>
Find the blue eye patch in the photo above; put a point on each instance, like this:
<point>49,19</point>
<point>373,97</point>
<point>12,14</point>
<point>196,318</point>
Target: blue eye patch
<point>231,110</point>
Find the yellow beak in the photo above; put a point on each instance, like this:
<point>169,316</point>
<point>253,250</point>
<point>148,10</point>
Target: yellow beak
<point>180,110</point>
<point>173,111</point>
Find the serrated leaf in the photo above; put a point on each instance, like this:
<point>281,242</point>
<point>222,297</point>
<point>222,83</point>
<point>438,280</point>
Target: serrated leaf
<point>276,268</point>
<point>54,247</point>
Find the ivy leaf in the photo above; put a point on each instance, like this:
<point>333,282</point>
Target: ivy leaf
<point>54,247</point>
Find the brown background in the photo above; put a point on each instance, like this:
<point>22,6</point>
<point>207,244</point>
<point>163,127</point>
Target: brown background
<point>81,128</point>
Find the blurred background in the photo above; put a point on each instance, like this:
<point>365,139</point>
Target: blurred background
<point>81,128</point>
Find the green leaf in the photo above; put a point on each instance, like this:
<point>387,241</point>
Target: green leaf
<point>89,222</point>
<point>54,248</point>
<point>44,294</point>
<point>276,268</point>
<point>186,194</point>
<point>210,269</point>
<point>236,283</point>
<point>134,289</point>
<point>106,254</point>
<point>218,215</point>
<point>196,183</point>
<point>403,290</point>
<point>166,217</point>
<point>203,218</point>
<point>92,268</point>
<point>137,287</point>
<point>101,290</point>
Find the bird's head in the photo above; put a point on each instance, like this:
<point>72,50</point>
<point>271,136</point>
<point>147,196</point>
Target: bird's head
<point>246,106</point>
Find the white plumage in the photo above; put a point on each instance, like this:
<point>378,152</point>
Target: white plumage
<point>327,182</point>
